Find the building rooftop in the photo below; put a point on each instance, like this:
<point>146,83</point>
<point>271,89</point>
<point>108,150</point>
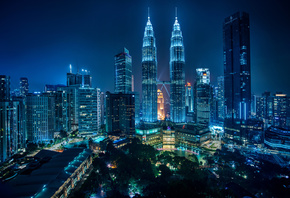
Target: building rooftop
<point>47,179</point>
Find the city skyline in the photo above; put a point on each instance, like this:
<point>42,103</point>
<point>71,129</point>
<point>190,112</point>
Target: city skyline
<point>35,48</point>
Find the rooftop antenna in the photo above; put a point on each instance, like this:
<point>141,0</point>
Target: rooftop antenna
<point>175,13</point>
<point>70,69</point>
<point>148,12</point>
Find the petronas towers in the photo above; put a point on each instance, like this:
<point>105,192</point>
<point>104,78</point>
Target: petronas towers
<point>149,75</point>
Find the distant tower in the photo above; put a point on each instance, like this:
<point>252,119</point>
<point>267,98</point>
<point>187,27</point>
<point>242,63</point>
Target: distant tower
<point>24,86</point>
<point>149,74</point>
<point>4,88</point>
<point>237,73</point>
<point>123,72</point>
<point>160,105</point>
<point>189,97</point>
<point>177,76</point>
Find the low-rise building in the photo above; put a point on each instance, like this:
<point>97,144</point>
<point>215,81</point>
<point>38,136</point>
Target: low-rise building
<point>191,135</point>
<point>150,134</point>
<point>55,178</point>
<point>277,138</point>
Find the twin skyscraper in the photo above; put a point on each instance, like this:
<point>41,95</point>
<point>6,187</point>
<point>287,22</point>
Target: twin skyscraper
<point>149,74</point>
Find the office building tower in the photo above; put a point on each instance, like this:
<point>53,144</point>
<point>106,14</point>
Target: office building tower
<point>120,110</point>
<point>220,98</point>
<point>280,107</point>
<point>189,98</point>
<point>40,117</point>
<point>89,110</point>
<point>123,72</point>
<point>69,98</point>
<point>177,76</point>
<point>5,130</point>
<point>74,79</point>
<point>12,128</point>
<point>203,94</point>
<point>149,74</point>
<point>160,105</point>
<point>24,86</point>
<point>4,88</point>
<point>62,109</point>
<point>87,80</point>
<point>237,73</point>
<point>260,107</point>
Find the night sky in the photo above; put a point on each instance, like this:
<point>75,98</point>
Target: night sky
<point>39,39</point>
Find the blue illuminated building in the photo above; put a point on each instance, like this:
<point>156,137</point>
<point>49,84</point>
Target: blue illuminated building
<point>123,72</point>
<point>177,76</point>
<point>149,74</point>
<point>237,73</point>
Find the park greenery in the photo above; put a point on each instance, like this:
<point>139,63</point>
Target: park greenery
<point>141,171</point>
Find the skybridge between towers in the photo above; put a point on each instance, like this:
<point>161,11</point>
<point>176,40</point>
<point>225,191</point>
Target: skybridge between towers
<point>163,83</point>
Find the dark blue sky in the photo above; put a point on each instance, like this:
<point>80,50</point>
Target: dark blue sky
<point>39,39</point>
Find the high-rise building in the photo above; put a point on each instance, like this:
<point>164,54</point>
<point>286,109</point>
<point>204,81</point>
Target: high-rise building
<point>220,98</point>
<point>87,81</point>
<point>123,72</point>
<point>160,105</point>
<point>12,121</point>
<point>24,86</point>
<point>237,73</point>
<point>89,110</point>
<point>40,117</point>
<point>149,74</point>
<point>120,110</point>
<point>67,108</point>
<point>280,107</point>
<point>12,128</point>
<point>4,88</point>
<point>203,94</point>
<point>177,75</point>
<point>189,98</point>
<point>74,79</point>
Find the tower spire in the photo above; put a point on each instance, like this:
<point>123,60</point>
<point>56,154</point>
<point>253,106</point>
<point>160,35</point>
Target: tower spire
<point>148,13</point>
<point>175,13</point>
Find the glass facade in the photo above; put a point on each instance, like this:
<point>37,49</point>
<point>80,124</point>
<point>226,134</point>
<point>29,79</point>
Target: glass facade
<point>177,76</point>
<point>40,117</point>
<point>237,71</point>
<point>189,97</point>
<point>89,111</point>
<point>149,74</point>
<point>203,93</point>
<point>23,86</point>
<point>123,72</point>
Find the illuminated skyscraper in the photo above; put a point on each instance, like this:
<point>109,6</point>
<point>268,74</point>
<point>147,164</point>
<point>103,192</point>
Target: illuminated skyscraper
<point>237,73</point>
<point>189,97</point>
<point>177,76</point>
<point>203,93</point>
<point>23,86</point>
<point>149,74</point>
<point>220,98</point>
<point>160,105</point>
<point>123,72</point>
<point>4,88</point>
